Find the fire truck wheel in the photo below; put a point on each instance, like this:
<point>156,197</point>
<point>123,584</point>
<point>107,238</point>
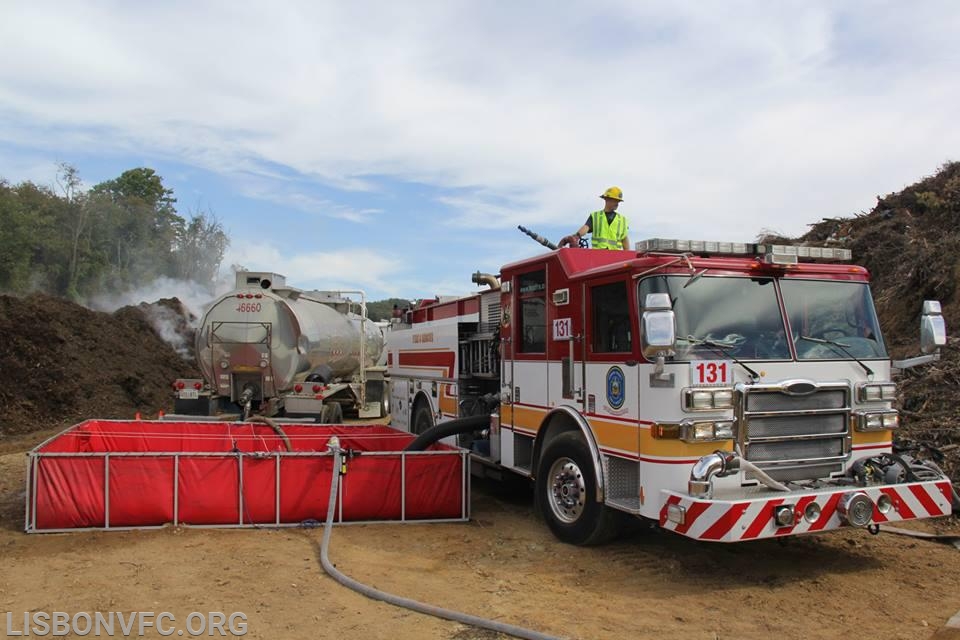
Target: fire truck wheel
<point>422,418</point>
<point>566,493</point>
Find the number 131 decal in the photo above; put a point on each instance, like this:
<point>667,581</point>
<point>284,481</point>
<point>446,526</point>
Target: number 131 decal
<point>707,372</point>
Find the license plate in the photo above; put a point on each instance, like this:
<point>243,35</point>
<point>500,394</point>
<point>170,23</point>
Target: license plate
<point>711,372</point>
<point>189,394</point>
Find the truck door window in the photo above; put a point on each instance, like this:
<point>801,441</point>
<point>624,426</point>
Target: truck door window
<point>532,289</point>
<point>611,318</point>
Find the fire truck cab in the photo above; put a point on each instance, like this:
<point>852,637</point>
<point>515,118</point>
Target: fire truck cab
<point>724,391</point>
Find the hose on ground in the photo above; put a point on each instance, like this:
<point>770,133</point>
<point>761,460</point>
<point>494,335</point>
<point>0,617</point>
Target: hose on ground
<point>413,605</point>
<point>444,429</point>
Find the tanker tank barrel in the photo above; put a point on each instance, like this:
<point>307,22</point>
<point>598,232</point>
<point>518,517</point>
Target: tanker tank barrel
<point>538,238</point>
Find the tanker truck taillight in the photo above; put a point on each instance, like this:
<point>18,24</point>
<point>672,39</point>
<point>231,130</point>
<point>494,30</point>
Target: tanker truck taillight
<point>317,388</point>
<point>187,388</point>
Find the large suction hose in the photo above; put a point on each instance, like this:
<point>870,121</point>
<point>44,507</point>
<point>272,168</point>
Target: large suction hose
<point>276,428</point>
<point>451,428</point>
<point>376,594</point>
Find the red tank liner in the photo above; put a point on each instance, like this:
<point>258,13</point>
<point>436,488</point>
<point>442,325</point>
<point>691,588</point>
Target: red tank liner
<point>136,474</point>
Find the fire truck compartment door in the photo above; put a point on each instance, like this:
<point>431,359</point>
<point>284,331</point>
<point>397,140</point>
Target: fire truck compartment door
<point>400,403</point>
<point>612,389</point>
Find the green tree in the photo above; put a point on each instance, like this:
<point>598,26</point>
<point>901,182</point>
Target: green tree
<point>37,216</point>
<point>141,185</point>
<point>122,233</point>
<point>142,225</point>
<point>77,221</point>
<point>15,240</point>
<point>199,248</point>
<point>383,309</point>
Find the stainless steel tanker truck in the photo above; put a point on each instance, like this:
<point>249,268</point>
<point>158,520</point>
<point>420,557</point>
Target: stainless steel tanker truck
<point>272,350</point>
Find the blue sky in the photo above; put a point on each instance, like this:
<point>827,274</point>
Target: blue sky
<point>395,147</point>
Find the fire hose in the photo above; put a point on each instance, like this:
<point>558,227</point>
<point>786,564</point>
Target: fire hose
<point>406,603</point>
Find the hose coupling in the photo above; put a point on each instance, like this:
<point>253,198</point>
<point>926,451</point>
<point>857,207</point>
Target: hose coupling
<point>718,464</point>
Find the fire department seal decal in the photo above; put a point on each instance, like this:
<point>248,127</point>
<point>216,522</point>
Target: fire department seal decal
<point>615,384</point>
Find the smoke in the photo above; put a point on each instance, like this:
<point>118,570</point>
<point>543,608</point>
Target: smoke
<point>173,307</point>
<point>175,327</point>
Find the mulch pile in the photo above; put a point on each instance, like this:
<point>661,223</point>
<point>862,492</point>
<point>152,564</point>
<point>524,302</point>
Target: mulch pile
<point>929,410</point>
<point>910,242</point>
<point>61,363</point>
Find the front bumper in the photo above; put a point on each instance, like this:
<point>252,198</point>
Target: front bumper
<point>734,519</point>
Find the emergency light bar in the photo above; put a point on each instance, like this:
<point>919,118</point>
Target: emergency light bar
<point>771,253</point>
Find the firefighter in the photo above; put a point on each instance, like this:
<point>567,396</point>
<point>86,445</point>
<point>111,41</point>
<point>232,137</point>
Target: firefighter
<point>608,228</point>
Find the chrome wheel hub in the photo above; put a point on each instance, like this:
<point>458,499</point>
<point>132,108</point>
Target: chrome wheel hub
<point>568,491</point>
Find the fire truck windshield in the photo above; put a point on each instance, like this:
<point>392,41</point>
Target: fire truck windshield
<point>833,312</point>
<point>740,312</point>
<point>744,315</point>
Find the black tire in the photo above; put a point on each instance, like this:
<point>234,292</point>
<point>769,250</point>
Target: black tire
<point>422,418</point>
<point>331,413</point>
<point>566,491</point>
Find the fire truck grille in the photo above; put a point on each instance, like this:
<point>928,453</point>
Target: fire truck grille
<point>795,437</point>
<point>793,425</point>
<point>825,399</point>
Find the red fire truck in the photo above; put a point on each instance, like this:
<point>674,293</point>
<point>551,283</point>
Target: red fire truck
<point>724,391</point>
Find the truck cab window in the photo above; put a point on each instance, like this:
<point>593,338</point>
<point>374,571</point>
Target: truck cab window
<point>610,331</point>
<point>532,323</point>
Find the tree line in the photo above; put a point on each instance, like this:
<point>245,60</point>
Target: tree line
<point>383,309</point>
<point>117,235</point>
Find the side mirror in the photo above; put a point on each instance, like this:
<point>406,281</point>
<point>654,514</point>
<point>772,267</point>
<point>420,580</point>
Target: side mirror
<point>933,329</point>
<point>658,333</point>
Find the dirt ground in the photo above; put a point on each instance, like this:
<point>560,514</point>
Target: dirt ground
<point>503,564</point>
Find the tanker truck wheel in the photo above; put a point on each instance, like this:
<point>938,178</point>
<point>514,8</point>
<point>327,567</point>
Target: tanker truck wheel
<point>331,413</point>
<point>422,418</point>
<point>566,492</point>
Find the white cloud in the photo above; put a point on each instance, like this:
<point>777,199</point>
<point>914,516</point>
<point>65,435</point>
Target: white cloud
<point>281,191</point>
<point>368,270</point>
<point>717,119</point>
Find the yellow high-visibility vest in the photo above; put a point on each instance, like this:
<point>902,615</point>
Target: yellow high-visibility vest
<point>608,236</point>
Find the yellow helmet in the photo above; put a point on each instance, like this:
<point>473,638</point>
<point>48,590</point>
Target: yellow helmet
<point>613,192</point>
